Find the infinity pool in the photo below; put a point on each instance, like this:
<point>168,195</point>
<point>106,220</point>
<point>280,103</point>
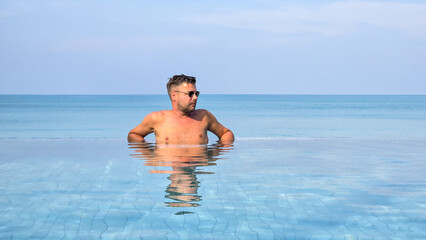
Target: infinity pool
<point>259,188</point>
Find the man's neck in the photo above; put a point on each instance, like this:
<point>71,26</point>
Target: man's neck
<point>178,113</point>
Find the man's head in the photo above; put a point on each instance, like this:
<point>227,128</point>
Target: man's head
<point>177,80</point>
<point>183,93</point>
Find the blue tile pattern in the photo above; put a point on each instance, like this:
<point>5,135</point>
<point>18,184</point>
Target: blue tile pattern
<point>257,189</point>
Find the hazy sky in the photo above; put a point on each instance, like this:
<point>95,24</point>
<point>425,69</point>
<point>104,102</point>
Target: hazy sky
<point>250,46</point>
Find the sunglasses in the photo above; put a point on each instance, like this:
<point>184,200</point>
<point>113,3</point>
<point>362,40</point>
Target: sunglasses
<point>191,93</point>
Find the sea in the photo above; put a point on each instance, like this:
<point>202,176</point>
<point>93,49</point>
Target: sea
<point>301,167</point>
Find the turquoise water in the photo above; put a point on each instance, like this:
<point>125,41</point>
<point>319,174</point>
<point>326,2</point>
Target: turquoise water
<point>248,116</point>
<point>302,167</point>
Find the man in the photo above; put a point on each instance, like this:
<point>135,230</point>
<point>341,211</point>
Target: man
<point>182,124</point>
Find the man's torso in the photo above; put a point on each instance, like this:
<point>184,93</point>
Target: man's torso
<point>191,129</point>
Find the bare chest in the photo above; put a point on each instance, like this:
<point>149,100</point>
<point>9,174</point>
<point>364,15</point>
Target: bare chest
<point>179,131</point>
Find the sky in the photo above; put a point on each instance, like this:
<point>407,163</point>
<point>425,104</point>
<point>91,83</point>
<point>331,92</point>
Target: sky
<point>232,47</point>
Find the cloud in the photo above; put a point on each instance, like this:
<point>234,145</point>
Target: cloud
<point>338,18</point>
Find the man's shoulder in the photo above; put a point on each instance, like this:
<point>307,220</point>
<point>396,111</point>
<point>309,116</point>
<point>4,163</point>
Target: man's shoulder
<point>202,112</point>
<point>162,112</point>
<point>158,115</point>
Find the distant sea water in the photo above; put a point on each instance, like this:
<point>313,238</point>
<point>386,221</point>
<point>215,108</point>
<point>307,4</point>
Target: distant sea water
<point>302,167</point>
<point>249,116</point>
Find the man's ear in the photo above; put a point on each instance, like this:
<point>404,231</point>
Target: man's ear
<point>173,96</point>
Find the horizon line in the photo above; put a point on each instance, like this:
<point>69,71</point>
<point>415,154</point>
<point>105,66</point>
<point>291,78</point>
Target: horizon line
<point>141,94</point>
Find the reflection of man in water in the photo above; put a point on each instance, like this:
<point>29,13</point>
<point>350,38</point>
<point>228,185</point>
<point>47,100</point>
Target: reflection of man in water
<point>185,162</point>
<point>182,124</point>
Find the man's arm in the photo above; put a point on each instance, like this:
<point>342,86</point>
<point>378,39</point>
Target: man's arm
<point>146,127</point>
<point>225,135</point>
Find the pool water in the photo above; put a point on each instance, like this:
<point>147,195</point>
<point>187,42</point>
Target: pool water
<point>258,188</point>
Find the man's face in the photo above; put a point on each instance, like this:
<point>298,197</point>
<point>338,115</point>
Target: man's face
<point>186,103</point>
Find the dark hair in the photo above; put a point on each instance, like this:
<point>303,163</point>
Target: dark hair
<point>179,79</point>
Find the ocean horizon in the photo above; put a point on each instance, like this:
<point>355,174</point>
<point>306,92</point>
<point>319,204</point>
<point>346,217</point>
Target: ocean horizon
<point>112,116</point>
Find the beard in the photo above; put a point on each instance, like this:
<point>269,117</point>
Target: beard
<point>187,108</point>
